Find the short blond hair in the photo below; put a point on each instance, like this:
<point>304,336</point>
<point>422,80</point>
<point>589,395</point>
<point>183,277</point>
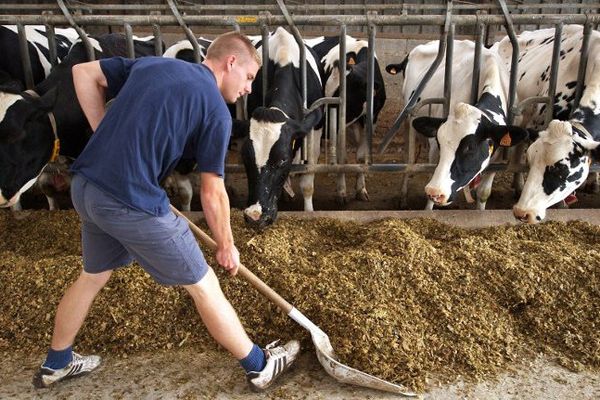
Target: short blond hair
<point>233,43</point>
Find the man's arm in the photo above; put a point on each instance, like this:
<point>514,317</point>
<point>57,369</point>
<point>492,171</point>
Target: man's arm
<point>90,86</point>
<point>215,204</point>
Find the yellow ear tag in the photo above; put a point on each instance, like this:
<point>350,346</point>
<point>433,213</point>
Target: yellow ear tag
<point>293,144</point>
<point>506,140</point>
<point>55,150</point>
<point>351,61</point>
<point>491,149</point>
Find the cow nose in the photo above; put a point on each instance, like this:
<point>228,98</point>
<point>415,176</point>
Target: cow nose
<point>253,213</point>
<point>526,216</point>
<point>435,195</point>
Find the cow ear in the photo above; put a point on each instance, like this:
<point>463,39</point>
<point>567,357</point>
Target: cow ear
<point>308,122</point>
<point>240,128</point>
<point>508,136</point>
<point>427,126</point>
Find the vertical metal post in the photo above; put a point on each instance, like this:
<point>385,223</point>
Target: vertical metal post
<point>477,63</point>
<point>158,45</point>
<point>583,58</point>
<point>84,38</point>
<point>129,40</point>
<point>264,30</point>
<point>370,91</point>
<point>514,64</point>
<point>341,139</point>
<point>51,40</point>
<point>448,71</point>
<point>188,32</point>
<point>554,72</point>
<point>25,59</point>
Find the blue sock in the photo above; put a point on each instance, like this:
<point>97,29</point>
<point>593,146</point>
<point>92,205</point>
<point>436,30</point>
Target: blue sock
<point>255,360</point>
<point>58,359</point>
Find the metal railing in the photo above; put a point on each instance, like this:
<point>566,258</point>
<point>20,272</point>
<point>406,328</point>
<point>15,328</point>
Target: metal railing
<point>372,17</point>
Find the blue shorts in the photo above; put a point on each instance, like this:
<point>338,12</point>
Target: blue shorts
<point>113,235</point>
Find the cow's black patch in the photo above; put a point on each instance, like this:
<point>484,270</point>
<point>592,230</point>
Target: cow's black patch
<point>272,115</point>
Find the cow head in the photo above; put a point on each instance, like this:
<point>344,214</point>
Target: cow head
<point>267,154</point>
<point>26,142</point>
<point>467,141</point>
<point>558,163</point>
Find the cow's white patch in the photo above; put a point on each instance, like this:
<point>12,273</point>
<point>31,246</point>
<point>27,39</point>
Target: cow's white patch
<point>284,50</point>
<point>4,202</point>
<point>7,100</point>
<point>263,136</point>
<point>254,211</point>
<point>172,51</point>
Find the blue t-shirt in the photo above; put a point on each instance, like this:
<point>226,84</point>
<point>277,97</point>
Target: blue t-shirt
<point>163,109</point>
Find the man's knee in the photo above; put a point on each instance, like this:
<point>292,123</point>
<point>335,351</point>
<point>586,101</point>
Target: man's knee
<point>206,287</point>
<point>96,281</point>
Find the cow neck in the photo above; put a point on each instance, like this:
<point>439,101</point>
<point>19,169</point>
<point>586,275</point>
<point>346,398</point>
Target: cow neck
<point>56,147</point>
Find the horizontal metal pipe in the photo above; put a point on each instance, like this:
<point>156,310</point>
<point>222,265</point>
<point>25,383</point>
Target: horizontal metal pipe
<point>312,20</point>
<point>307,7</point>
<point>363,168</point>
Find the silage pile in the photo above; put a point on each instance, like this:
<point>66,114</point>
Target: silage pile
<point>404,300</point>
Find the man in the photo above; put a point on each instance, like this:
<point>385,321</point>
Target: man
<point>163,109</point>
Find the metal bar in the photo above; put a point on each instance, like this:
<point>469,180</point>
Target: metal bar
<point>265,62</point>
<point>129,40</point>
<point>188,32</point>
<point>158,45</point>
<point>50,34</point>
<point>313,20</point>
<point>553,73</point>
<point>477,63</point>
<point>448,71</point>
<point>25,59</point>
<point>307,142</point>
<point>71,21</point>
<point>370,92</point>
<point>583,58</point>
<point>514,65</point>
<point>364,168</point>
<point>413,98</point>
<point>400,7</point>
<point>341,133</point>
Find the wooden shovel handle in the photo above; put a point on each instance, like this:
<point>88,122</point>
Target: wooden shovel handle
<point>254,280</point>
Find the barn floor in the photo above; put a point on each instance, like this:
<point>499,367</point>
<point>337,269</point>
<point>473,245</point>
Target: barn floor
<point>186,374</point>
<point>214,375</point>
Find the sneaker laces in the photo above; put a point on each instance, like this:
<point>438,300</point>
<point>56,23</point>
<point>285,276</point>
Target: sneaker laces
<point>272,344</point>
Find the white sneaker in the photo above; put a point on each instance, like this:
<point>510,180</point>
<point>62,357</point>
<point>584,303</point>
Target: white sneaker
<point>278,361</point>
<point>80,365</point>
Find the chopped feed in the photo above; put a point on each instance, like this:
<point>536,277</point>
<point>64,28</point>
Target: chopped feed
<point>405,300</point>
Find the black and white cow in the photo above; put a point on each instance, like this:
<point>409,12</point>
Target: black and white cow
<point>471,135</point>
<point>27,139</point>
<point>276,129</point>
<point>12,78</point>
<point>559,158</point>
<point>39,55</point>
<point>327,49</point>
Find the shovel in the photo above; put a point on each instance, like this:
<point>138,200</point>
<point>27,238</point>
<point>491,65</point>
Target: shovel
<point>325,353</point>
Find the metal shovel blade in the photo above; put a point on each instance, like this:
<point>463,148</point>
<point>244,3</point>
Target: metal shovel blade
<point>325,353</point>
<point>341,372</point>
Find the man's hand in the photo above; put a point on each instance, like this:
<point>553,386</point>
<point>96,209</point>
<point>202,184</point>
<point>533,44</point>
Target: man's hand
<point>229,258</point>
